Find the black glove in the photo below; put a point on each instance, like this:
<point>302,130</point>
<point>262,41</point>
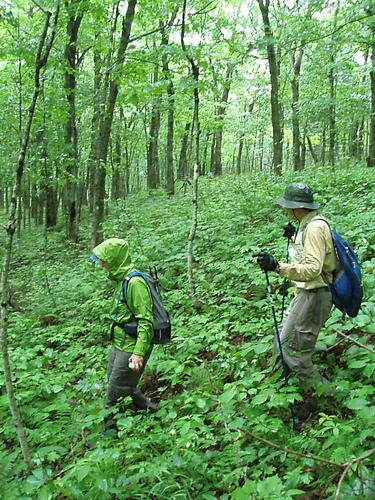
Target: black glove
<point>289,230</point>
<point>266,261</point>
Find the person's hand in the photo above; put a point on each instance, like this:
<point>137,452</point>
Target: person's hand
<point>266,261</point>
<point>136,362</point>
<point>289,230</point>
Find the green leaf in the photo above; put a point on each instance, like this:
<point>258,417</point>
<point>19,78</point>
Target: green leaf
<point>83,472</point>
<point>259,399</point>
<point>360,363</point>
<point>356,404</point>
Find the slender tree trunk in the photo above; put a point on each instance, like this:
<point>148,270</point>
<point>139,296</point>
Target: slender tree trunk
<point>153,172</point>
<point>196,133</point>
<point>71,139</point>
<point>182,171</point>
<point>170,121</point>
<point>217,167</point>
<point>303,150</point>
<point>105,128</point>
<point>239,154</point>
<point>323,147</point>
<point>332,114</point>
<point>116,187</point>
<point>296,61</point>
<point>371,150</point>
<point>277,160</point>
<point>40,61</point>
<point>311,149</point>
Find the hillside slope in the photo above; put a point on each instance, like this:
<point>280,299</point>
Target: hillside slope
<point>220,410</point>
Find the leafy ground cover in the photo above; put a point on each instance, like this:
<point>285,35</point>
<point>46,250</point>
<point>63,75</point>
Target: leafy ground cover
<point>223,429</point>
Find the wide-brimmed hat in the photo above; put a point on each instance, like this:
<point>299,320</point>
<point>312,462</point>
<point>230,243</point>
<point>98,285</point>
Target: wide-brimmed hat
<point>298,195</point>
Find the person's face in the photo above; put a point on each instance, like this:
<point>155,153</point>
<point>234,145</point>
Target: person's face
<point>105,265</point>
<point>291,213</point>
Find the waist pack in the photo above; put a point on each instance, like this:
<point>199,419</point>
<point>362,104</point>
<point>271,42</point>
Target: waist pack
<point>346,288</point>
<point>161,318</point>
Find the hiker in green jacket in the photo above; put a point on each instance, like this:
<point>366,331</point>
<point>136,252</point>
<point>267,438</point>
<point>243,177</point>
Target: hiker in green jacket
<point>128,356</point>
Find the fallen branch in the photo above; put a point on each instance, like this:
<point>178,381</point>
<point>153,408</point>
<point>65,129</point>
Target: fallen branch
<point>348,465</point>
<point>347,337</point>
<point>293,452</point>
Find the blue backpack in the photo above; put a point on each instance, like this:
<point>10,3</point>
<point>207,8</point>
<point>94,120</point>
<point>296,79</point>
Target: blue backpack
<point>346,288</point>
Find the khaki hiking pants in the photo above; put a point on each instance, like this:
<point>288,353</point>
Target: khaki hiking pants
<point>307,313</point>
<point>123,381</point>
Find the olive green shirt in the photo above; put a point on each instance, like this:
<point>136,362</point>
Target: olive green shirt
<point>115,252</point>
<point>138,297</point>
<point>312,254</point>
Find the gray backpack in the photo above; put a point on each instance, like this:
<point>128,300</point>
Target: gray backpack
<point>162,322</point>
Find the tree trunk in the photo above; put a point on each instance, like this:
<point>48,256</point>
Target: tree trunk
<point>332,114</point>
<point>71,140</point>
<point>296,61</point>
<point>170,120</point>
<point>277,159</point>
<point>239,154</point>
<point>311,149</point>
<point>220,109</point>
<point>371,150</point>
<point>40,61</point>
<point>196,133</point>
<point>116,184</point>
<point>105,128</point>
<point>182,171</point>
<point>153,172</point>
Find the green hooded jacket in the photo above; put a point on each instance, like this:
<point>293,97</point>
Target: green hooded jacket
<point>115,252</point>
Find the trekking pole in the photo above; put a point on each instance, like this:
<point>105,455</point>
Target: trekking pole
<point>284,282</point>
<point>278,340</point>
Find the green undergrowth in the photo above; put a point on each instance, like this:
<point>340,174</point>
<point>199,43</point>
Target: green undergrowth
<point>212,382</point>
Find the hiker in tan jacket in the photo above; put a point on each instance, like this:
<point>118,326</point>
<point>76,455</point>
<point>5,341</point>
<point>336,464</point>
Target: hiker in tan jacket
<point>313,261</point>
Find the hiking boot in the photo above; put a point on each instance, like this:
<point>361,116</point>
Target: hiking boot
<point>149,407</point>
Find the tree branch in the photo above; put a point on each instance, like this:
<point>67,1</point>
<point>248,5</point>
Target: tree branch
<point>347,467</point>
<point>293,452</point>
<point>327,35</point>
<point>347,337</point>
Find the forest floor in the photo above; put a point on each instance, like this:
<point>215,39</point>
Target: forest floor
<point>223,429</point>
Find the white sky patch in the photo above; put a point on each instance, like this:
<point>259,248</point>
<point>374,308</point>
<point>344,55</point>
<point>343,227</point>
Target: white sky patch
<point>322,14</point>
<point>193,39</point>
<point>359,58</point>
<point>227,33</point>
<point>244,10</point>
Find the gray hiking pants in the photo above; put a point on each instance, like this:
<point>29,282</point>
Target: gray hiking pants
<point>307,313</point>
<point>123,381</point>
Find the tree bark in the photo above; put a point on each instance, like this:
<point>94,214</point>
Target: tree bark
<point>296,61</point>
<point>41,59</point>
<point>182,171</point>
<point>277,159</point>
<point>332,114</point>
<point>105,128</point>
<point>371,150</point>
<point>75,17</point>
<point>117,189</point>
<point>196,134</point>
<point>220,109</point>
<point>153,172</point>
<point>170,119</point>
<point>311,149</point>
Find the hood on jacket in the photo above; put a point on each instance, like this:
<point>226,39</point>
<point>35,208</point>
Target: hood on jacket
<point>115,251</point>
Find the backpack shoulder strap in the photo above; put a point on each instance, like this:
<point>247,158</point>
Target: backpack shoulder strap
<point>317,217</point>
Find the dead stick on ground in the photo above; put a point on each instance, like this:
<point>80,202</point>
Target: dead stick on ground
<point>292,452</point>
<point>347,337</point>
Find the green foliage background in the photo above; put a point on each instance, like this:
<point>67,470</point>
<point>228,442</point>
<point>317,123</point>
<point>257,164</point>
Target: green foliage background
<point>212,382</point>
